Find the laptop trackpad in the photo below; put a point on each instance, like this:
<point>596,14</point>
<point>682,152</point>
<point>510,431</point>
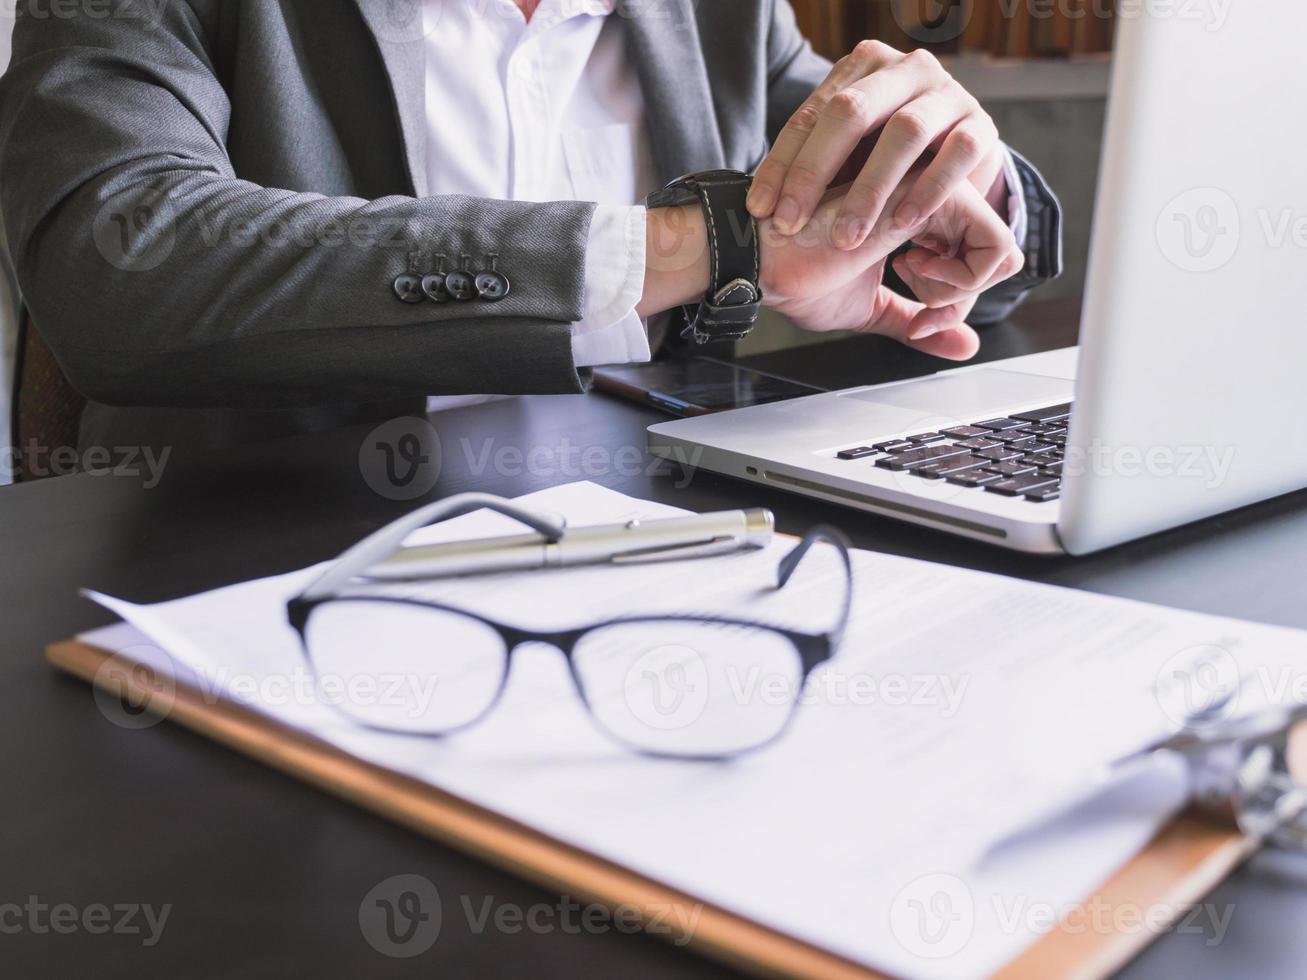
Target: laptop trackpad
<point>971,394</point>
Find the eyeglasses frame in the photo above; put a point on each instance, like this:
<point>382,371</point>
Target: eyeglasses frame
<point>813,649</point>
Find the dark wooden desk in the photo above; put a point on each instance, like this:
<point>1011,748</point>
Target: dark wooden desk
<point>265,876</point>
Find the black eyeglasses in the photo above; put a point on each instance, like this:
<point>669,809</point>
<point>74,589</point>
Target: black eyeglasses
<point>694,687</point>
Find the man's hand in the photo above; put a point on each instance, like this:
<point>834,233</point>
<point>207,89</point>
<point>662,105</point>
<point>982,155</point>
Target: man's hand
<point>962,250</point>
<point>894,109</point>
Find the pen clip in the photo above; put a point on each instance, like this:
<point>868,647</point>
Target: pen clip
<point>703,549</point>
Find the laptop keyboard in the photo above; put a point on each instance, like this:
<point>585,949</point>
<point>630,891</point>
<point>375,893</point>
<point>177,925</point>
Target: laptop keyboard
<point>1017,456</point>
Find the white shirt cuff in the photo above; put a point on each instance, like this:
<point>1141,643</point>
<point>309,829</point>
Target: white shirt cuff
<point>610,332</point>
<point>1017,217</point>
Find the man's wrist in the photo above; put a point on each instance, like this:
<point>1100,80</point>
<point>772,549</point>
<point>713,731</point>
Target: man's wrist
<point>677,262</point>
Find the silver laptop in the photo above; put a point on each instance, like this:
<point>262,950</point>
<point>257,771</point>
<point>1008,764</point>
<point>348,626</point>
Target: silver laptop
<point>1188,394</point>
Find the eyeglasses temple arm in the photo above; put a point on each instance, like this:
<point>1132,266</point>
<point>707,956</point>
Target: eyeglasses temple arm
<point>382,543</point>
<point>832,536</point>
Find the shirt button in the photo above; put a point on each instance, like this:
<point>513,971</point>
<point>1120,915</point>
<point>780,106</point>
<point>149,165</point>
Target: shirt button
<point>408,288</point>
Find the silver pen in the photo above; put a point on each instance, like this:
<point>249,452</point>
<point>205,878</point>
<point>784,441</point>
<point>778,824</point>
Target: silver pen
<point>695,536</point>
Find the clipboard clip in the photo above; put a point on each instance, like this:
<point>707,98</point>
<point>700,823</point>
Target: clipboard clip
<point>1249,770</point>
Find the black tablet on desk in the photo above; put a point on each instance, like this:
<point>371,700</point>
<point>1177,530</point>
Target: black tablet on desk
<point>697,385</point>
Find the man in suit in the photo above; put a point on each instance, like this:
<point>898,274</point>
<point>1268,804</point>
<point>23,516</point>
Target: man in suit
<point>239,218</point>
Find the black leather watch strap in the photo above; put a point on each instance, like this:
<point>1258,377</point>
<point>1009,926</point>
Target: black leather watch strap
<point>730,308</point>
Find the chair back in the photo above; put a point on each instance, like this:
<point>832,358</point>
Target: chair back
<point>47,410</point>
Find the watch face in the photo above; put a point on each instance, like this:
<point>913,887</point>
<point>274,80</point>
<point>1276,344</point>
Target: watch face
<point>711,176</point>
<point>682,189</point>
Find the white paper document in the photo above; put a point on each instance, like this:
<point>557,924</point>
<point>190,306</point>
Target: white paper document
<point>962,709</point>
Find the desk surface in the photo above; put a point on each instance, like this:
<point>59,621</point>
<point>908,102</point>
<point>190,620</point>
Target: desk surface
<point>265,876</point>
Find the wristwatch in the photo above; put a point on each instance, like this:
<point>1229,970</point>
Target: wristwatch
<point>730,309</point>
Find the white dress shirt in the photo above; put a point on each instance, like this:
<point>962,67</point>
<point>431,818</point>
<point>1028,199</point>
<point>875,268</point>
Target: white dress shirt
<point>548,110</point>
<point>551,109</point>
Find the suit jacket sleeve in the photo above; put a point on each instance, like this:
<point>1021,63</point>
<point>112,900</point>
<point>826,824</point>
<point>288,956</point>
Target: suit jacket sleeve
<point>796,70</point>
<point>158,277</point>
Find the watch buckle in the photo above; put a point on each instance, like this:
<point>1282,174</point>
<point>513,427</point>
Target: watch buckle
<point>739,296</point>
<point>725,297</point>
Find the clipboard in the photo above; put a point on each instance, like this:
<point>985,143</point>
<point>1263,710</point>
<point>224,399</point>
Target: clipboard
<point>1184,861</point>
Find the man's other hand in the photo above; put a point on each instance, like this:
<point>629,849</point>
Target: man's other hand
<point>891,110</point>
<point>961,250</point>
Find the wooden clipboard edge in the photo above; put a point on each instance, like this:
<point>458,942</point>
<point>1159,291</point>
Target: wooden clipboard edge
<point>1187,858</point>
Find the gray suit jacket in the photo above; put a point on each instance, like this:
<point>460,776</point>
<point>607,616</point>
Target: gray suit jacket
<point>208,202</point>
